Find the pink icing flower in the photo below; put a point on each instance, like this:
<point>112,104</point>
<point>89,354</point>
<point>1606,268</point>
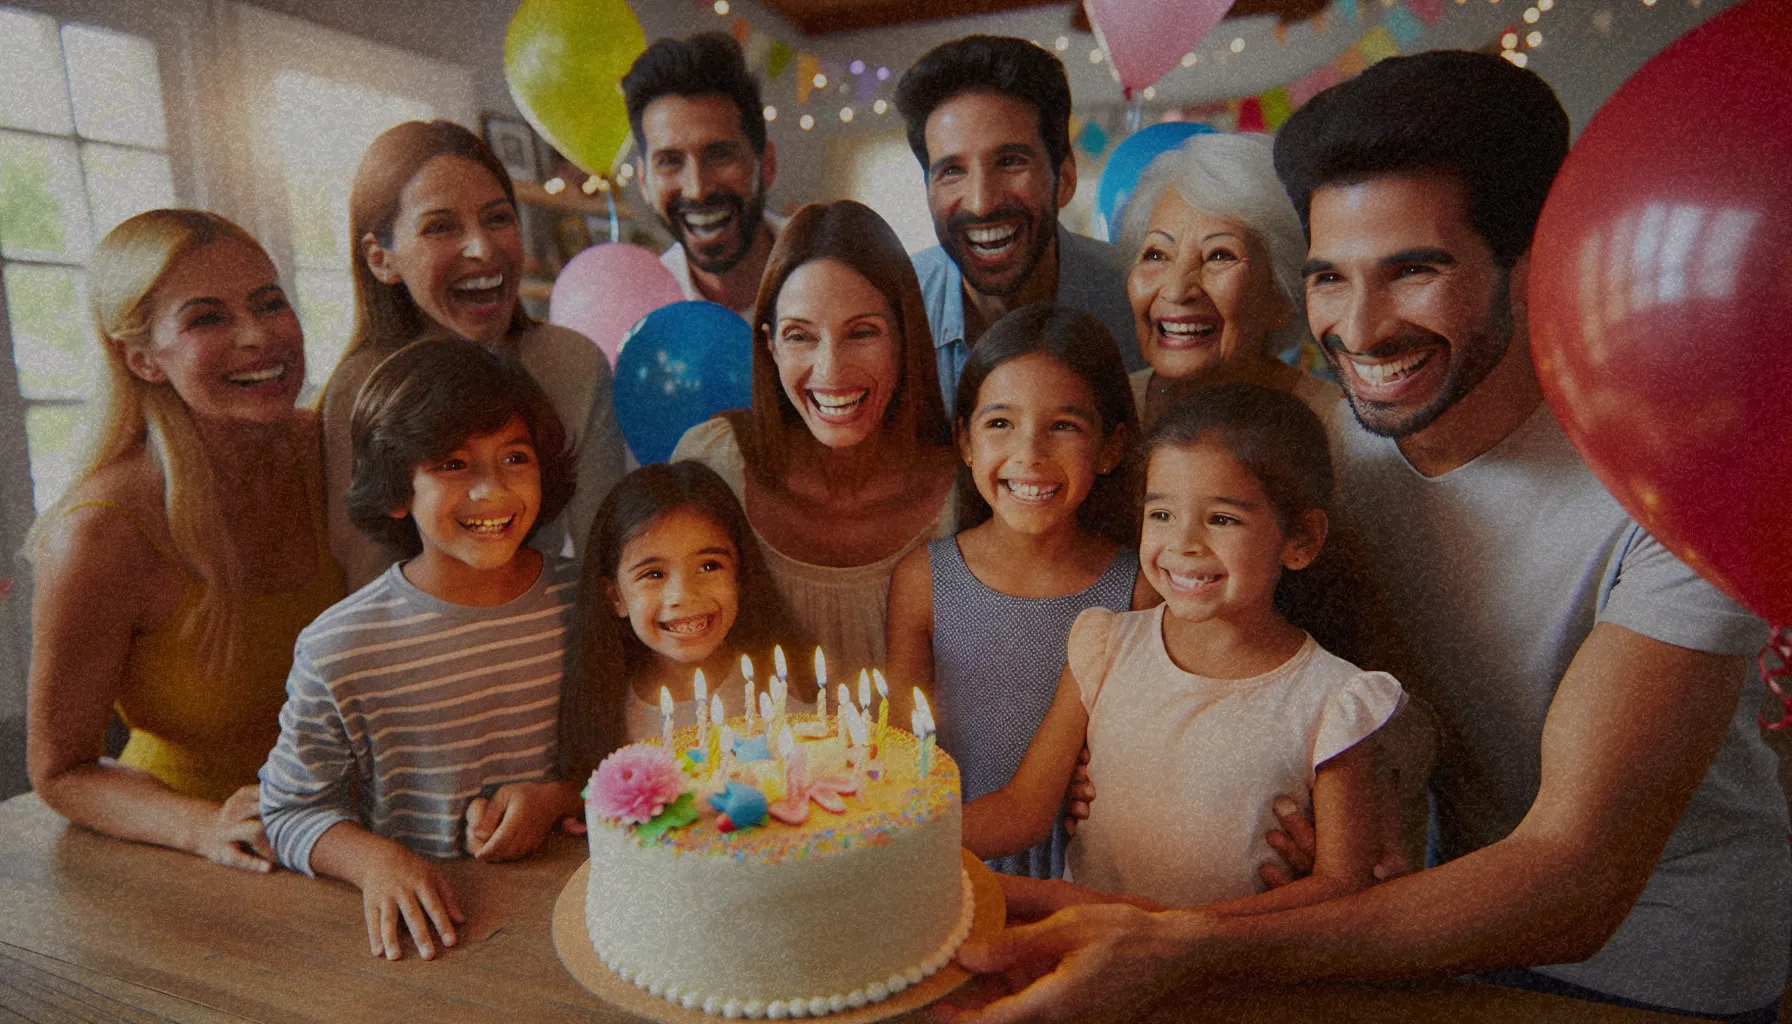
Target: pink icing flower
<point>635,783</point>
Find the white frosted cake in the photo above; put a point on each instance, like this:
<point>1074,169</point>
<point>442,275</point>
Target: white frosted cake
<point>848,891</point>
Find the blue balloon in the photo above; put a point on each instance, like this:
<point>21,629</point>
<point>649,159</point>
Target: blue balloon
<point>680,365</point>
<point>1129,160</point>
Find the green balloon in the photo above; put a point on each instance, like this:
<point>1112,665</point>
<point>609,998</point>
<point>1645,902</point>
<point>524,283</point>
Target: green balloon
<point>564,60</point>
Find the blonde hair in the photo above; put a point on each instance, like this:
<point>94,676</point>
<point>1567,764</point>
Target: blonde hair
<point>127,266</point>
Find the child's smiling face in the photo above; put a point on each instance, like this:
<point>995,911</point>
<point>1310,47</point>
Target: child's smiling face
<point>1034,443</point>
<point>678,584</point>
<point>474,506</point>
<point>1211,543</point>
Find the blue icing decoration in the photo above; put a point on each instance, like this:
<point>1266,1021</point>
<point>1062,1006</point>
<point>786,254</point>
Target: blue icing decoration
<point>757,748</point>
<point>744,805</point>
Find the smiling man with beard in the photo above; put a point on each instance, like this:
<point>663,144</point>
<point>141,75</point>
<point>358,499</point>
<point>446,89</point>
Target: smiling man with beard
<point>989,119</point>
<point>1606,821</point>
<point>705,163</point>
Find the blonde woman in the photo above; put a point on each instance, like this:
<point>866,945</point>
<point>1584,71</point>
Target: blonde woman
<point>438,250</point>
<point>174,577</point>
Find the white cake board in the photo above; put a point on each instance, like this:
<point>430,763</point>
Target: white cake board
<point>573,943</point>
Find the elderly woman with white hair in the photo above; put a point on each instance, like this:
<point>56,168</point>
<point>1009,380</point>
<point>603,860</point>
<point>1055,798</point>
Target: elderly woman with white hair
<point>1215,283</point>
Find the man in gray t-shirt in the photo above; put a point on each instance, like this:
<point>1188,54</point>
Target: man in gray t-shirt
<point>1608,822</point>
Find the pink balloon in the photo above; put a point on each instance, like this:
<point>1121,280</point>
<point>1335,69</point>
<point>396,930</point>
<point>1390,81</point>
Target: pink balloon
<point>605,290</point>
<point>1146,38</point>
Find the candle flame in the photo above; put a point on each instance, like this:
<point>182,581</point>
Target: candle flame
<point>883,688</point>
<point>845,698</point>
<point>765,705</point>
<point>864,690</point>
<point>665,702</point>
<point>821,669</point>
<point>715,707</point>
<point>701,686</point>
<point>921,706</point>
<point>778,666</point>
<point>746,667</point>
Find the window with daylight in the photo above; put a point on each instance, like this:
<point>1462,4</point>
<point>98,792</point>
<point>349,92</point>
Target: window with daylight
<point>83,145</point>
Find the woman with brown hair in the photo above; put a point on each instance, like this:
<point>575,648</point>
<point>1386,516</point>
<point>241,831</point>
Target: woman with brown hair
<point>174,576</point>
<point>845,462</point>
<point>438,250</point>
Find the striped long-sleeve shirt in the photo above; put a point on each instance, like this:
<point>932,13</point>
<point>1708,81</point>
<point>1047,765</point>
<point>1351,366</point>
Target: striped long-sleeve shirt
<point>401,708</point>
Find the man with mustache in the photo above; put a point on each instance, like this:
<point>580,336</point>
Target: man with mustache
<point>705,163</point>
<point>989,119</point>
<point>1607,823</point>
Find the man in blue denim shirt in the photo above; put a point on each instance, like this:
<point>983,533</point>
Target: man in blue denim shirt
<point>989,119</point>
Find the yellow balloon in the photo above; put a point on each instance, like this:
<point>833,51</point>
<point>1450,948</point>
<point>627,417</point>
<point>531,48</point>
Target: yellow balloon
<point>564,60</point>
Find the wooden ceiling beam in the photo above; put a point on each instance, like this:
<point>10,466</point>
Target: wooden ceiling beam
<point>819,17</point>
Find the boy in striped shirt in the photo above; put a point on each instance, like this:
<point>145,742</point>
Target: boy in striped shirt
<point>424,706</point>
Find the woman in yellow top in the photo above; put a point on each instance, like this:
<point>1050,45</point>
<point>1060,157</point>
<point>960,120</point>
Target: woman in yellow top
<point>174,577</point>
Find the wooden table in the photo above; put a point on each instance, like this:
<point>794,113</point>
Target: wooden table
<point>95,929</point>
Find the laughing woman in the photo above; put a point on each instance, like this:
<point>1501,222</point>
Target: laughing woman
<point>1215,283</point>
<point>174,577</point>
<point>438,249</point>
<point>845,462</point>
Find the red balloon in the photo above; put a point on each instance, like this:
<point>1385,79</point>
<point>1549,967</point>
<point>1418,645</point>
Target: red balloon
<point>1661,300</point>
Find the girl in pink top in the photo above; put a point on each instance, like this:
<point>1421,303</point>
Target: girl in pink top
<point>1198,712</point>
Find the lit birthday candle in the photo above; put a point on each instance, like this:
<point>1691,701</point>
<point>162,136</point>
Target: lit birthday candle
<point>714,750</point>
<point>746,669</point>
<point>923,719</point>
<point>852,726</point>
<point>792,765</point>
<point>727,757</point>
<point>765,708</point>
<point>883,707</point>
<point>865,691</point>
<point>779,668</point>
<point>700,686</point>
<point>821,689</point>
<point>666,718</point>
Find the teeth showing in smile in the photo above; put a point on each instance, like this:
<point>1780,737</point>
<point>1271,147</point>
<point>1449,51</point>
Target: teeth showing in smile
<point>480,284</point>
<point>1181,582</point>
<point>1186,330</point>
<point>708,226</point>
<point>492,525</point>
<point>275,372</point>
<point>992,240</point>
<point>688,626</point>
<point>1033,492</point>
<point>838,403</point>
<point>1389,371</point>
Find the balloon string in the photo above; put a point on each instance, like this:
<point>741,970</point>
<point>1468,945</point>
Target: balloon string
<point>1779,646</point>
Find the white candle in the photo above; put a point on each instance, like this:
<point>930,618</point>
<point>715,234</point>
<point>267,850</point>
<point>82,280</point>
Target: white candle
<point>864,691</point>
<point>821,706</point>
<point>752,707</point>
<point>700,687</point>
<point>666,717</point>
<point>715,709</point>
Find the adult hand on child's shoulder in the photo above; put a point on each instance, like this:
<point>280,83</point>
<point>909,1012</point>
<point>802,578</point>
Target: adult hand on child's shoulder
<point>397,884</point>
<point>234,836</point>
<point>517,818</point>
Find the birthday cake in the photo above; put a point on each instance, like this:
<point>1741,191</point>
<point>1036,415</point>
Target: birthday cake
<point>770,876</point>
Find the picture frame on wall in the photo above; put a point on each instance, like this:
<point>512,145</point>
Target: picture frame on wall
<point>514,143</point>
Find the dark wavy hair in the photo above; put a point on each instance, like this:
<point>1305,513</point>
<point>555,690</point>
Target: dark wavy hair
<point>1496,126</point>
<point>708,62</point>
<point>1273,434</point>
<point>592,711</point>
<point>999,64</point>
<point>1083,346</point>
<point>420,404</point>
